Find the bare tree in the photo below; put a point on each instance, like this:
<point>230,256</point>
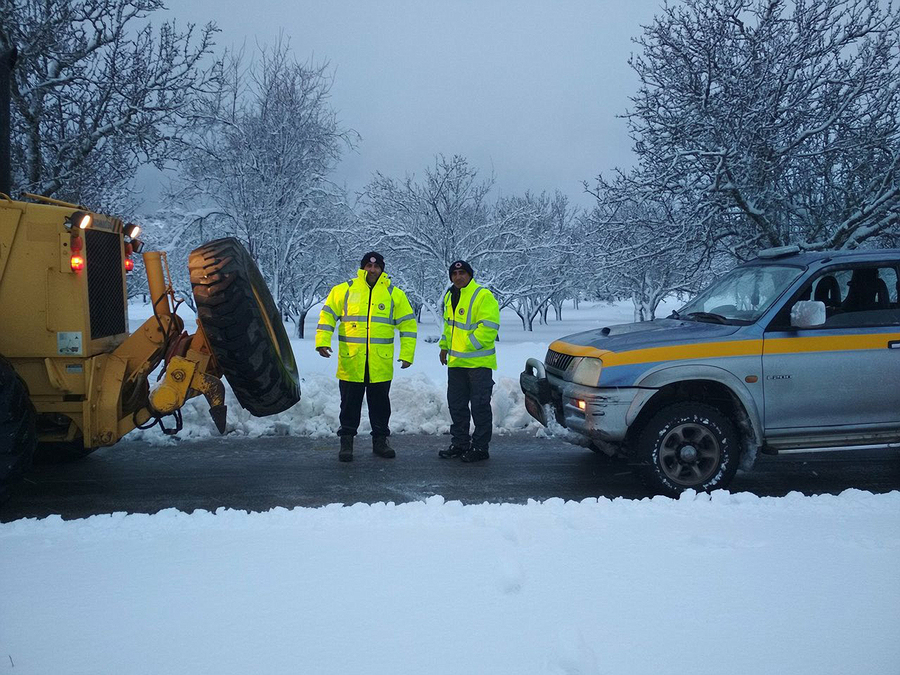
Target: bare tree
<point>320,260</point>
<point>261,154</point>
<point>784,114</point>
<point>531,258</point>
<point>430,223</point>
<point>96,92</point>
<point>648,245</point>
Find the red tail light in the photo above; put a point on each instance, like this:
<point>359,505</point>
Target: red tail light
<point>77,243</point>
<point>129,264</point>
<point>77,263</point>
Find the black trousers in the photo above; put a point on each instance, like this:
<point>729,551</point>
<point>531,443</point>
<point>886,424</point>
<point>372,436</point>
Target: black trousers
<point>378,399</point>
<point>470,387</point>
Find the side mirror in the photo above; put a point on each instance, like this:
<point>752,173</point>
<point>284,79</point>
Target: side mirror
<point>808,314</point>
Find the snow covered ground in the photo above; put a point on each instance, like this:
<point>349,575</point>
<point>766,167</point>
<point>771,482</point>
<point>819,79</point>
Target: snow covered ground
<point>723,584</point>
<point>704,584</point>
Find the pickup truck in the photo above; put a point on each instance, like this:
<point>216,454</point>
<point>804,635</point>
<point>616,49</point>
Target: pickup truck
<point>791,352</point>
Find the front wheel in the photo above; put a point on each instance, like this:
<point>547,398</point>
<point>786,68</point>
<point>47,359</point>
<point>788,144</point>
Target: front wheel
<point>688,445</point>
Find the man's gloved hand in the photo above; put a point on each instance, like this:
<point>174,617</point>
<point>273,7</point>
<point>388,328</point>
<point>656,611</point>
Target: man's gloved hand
<point>324,351</point>
<point>443,357</point>
<point>404,364</point>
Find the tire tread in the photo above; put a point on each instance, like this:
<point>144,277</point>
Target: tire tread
<point>223,280</point>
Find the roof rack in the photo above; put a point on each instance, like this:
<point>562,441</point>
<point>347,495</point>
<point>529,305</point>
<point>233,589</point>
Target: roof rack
<point>779,251</point>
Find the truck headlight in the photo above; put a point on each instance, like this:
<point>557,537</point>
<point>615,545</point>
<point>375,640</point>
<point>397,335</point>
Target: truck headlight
<point>587,372</point>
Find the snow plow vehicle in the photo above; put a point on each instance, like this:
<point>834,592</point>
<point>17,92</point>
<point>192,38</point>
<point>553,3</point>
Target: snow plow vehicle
<point>73,378</point>
<point>791,352</point>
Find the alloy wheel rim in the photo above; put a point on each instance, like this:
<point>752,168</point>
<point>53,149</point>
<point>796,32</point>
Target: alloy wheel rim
<point>689,454</point>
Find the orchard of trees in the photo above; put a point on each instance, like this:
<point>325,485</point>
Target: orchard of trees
<point>757,123</point>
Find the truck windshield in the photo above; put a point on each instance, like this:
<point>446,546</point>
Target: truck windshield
<point>741,296</point>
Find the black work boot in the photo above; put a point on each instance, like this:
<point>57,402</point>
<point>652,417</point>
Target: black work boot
<point>381,448</point>
<point>475,455</point>
<point>453,451</point>
<point>346,453</point>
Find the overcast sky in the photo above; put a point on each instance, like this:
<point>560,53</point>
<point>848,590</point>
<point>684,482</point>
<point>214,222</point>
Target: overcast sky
<point>526,89</point>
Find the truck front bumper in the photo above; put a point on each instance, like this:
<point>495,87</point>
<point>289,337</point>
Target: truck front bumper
<point>598,413</point>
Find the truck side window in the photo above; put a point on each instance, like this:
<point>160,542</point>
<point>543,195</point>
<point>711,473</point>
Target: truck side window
<point>868,298</point>
<point>853,297</point>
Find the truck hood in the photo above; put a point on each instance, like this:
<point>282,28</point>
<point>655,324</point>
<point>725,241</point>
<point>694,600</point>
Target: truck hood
<point>657,333</point>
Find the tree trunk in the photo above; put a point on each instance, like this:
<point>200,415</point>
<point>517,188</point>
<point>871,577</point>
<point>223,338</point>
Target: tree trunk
<point>301,323</point>
<point>521,316</point>
<point>557,309</point>
<point>645,305</point>
<point>640,308</point>
<point>653,304</point>
<point>535,313</point>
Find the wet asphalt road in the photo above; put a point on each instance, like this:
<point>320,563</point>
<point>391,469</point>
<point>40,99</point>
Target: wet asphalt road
<point>262,473</point>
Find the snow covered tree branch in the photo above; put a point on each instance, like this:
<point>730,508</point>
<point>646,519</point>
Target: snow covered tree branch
<point>97,91</point>
<point>784,114</point>
<point>259,155</point>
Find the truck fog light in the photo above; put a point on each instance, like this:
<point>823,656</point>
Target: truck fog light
<point>581,404</point>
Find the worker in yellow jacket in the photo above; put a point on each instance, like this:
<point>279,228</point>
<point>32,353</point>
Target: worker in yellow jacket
<point>471,322</point>
<point>368,310</point>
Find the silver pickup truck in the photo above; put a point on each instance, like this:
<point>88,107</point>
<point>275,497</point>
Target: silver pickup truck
<point>790,352</point>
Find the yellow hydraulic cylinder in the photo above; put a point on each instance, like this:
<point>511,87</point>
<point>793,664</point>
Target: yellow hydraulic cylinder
<point>156,282</point>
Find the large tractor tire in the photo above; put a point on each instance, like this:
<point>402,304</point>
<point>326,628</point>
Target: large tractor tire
<point>18,435</point>
<point>243,327</point>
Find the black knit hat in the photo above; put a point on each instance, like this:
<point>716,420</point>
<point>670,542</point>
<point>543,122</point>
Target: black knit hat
<point>460,265</point>
<point>372,256</point>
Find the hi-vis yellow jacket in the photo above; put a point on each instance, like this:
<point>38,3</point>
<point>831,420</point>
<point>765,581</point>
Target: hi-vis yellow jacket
<point>368,319</point>
<point>471,329</point>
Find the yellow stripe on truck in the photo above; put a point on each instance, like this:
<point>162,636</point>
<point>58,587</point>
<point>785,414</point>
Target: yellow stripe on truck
<point>700,350</point>
<point>833,343</point>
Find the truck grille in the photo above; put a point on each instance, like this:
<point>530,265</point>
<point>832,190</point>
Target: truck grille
<point>558,361</point>
<point>106,287</point>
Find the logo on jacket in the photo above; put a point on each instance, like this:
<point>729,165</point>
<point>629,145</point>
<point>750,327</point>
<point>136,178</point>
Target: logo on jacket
<point>380,305</point>
<point>461,311</point>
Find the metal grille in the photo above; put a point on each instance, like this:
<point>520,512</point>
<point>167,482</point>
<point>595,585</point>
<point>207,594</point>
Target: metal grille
<point>106,289</point>
<point>558,361</point>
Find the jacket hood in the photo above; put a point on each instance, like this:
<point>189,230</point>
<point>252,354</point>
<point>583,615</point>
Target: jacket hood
<point>658,333</point>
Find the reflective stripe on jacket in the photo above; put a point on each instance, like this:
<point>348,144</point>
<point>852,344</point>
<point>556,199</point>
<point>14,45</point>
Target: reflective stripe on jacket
<point>368,318</point>
<point>471,329</point>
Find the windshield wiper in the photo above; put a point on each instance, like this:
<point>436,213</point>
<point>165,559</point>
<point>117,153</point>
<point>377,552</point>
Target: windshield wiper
<point>674,315</point>
<point>706,316</point>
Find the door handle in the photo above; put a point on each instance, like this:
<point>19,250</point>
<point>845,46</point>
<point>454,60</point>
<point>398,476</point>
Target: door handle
<point>893,344</point>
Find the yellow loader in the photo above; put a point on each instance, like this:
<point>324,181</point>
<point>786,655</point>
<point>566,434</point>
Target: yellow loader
<point>73,378</point>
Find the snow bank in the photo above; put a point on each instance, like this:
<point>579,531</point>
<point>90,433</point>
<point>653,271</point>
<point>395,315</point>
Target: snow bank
<point>705,584</point>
